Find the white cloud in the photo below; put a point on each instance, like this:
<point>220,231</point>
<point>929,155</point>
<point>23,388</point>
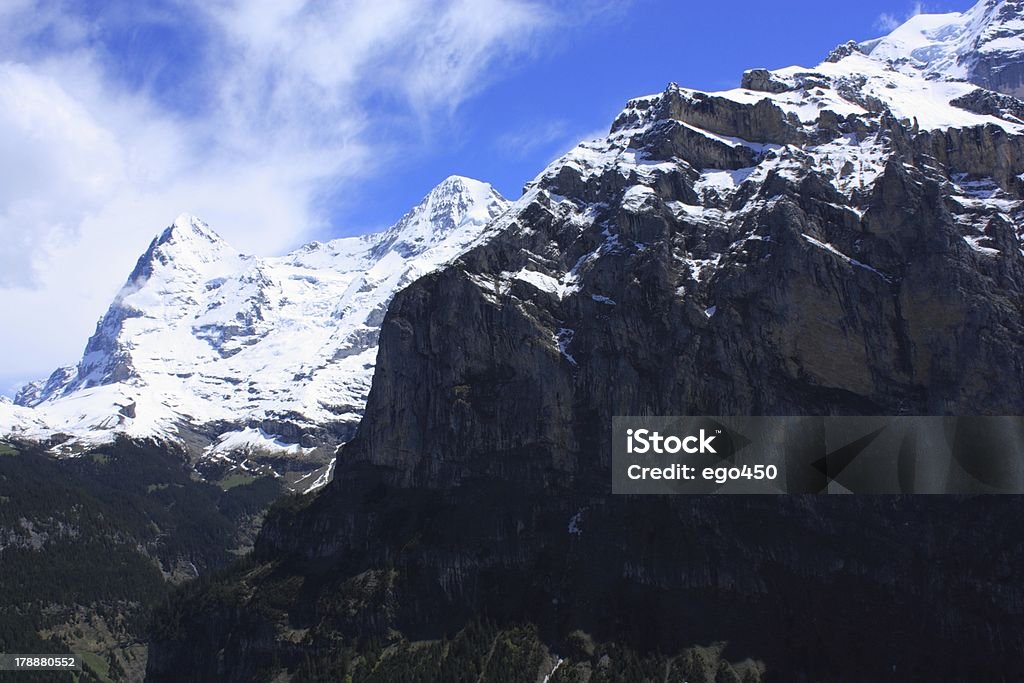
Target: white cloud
<point>521,142</point>
<point>453,55</point>
<point>553,139</point>
<point>85,185</point>
<point>887,22</point>
<point>273,111</point>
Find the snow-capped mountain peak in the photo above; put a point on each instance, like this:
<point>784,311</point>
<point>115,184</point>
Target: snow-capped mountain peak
<point>224,353</point>
<point>211,349</point>
<point>456,203</point>
<point>984,45</point>
<point>187,228</point>
<point>188,243</point>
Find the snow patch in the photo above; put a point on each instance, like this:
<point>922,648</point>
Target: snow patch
<point>562,339</point>
<point>636,197</point>
<point>561,288</point>
<point>251,440</point>
<point>853,262</point>
<point>558,662</point>
<point>324,479</point>
<point>575,523</point>
<point>974,242</point>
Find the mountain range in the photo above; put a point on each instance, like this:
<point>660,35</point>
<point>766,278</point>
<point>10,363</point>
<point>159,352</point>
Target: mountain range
<point>843,239</point>
<point>981,46</point>
<point>243,361</point>
<point>267,362</point>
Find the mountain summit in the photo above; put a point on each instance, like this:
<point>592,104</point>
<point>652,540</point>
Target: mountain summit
<point>227,355</point>
<point>456,204</point>
<point>984,45</point>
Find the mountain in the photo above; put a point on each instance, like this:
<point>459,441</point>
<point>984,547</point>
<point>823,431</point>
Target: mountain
<point>983,46</point>
<point>836,240</point>
<point>228,355</point>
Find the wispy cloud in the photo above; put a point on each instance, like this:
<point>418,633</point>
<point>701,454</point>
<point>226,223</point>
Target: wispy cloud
<point>888,21</point>
<point>548,140</point>
<point>116,117</point>
<point>523,142</point>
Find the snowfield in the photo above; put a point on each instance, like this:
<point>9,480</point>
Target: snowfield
<point>266,355</point>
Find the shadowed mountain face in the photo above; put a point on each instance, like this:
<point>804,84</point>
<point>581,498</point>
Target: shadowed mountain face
<point>818,242</point>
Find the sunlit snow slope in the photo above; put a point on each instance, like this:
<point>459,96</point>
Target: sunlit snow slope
<point>226,353</point>
<point>983,45</point>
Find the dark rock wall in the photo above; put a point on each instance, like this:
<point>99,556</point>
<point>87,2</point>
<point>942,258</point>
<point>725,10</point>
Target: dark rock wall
<point>479,480</point>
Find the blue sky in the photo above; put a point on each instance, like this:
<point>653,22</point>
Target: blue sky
<point>279,121</point>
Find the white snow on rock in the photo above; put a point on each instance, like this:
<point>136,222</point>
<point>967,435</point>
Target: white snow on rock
<point>250,441</point>
<point>205,340</point>
<point>839,121</point>
<point>324,477</point>
<point>562,339</point>
<point>852,261</point>
<point>950,46</point>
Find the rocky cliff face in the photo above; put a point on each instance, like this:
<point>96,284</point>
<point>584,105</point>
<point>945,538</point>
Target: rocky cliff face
<point>713,256</point>
<point>837,240</point>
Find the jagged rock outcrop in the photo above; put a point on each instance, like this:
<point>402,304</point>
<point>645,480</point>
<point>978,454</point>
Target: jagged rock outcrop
<point>843,51</point>
<point>33,393</point>
<point>764,121</point>
<point>983,101</point>
<point>761,80</point>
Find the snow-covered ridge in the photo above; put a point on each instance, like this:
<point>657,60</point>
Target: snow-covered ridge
<point>716,160</point>
<point>209,349</point>
<point>789,116</point>
<point>983,45</point>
